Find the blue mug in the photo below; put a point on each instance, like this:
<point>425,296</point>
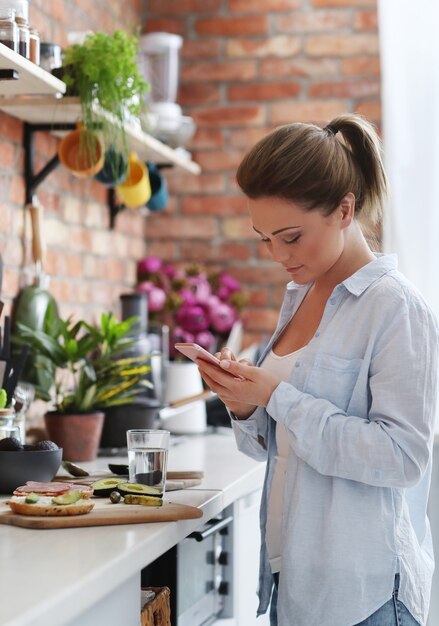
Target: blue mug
<point>114,170</point>
<point>159,189</point>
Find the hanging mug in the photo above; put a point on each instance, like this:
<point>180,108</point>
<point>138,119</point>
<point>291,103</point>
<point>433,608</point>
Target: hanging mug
<point>81,152</point>
<point>135,191</point>
<point>159,189</point>
<point>115,168</point>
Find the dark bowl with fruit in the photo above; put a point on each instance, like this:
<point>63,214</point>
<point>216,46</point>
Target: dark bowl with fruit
<point>19,463</point>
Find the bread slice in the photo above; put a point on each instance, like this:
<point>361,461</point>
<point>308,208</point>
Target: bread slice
<point>45,507</point>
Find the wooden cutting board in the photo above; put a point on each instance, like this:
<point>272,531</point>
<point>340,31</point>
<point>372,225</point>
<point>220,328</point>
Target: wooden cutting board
<point>104,514</point>
<point>174,480</point>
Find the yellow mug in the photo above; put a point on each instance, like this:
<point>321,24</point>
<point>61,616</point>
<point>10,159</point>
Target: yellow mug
<point>135,191</point>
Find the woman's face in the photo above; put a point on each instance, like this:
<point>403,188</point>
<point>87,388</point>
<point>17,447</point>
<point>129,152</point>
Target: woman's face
<point>307,243</point>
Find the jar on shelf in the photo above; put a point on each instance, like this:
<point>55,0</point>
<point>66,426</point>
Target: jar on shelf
<point>8,29</point>
<point>8,424</point>
<point>50,56</point>
<point>21,7</point>
<point>34,46</point>
<point>24,37</point>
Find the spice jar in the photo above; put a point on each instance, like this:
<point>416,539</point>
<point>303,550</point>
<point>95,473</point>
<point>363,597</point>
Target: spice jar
<point>24,38</point>
<point>8,29</point>
<point>8,425</point>
<point>34,46</point>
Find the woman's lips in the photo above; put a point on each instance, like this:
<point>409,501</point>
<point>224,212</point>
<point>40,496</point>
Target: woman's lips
<point>295,269</point>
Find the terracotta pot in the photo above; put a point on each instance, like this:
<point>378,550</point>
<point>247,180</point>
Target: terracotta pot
<point>78,435</point>
<point>81,152</point>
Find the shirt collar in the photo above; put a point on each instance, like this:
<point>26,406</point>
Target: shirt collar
<point>364,277</point>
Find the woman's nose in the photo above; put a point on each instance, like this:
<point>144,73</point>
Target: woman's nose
<point>279,252</point>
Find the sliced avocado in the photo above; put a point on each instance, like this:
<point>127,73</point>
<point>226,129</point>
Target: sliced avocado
<point>103,487</point>
<point>119,469</point>
<point>67,498</point>
<point>143,500</point>
<point>31,498</point>
<point>137,488</point>
<point>73,469</point>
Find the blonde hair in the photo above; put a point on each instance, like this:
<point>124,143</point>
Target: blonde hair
<point>316,167</point>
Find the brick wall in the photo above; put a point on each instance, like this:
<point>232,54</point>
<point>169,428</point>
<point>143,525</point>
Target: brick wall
<point>89,265</point>
<point>248,66</point>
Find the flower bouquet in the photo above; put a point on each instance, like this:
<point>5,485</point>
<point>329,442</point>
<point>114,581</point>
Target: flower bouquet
<point>197,305</point>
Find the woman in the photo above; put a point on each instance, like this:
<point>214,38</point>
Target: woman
<point>342,402</point>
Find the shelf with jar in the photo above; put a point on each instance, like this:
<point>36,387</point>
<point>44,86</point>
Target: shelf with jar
<point>19,76</point>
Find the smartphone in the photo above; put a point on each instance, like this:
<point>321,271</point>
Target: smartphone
<point>194,351</point>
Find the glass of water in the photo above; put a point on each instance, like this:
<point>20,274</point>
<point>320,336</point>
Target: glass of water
<point>147,457</point>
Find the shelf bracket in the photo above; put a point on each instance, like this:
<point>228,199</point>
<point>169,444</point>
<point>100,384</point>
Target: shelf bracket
<point>31,178</point>
<point>9,75</point>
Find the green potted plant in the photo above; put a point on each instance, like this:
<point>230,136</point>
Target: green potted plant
<point>103,71</point>
<point>91,371</point>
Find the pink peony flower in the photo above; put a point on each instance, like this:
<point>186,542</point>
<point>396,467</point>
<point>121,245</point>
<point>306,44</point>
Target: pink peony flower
<point>200,287</point>
<point>206,340</point>
<point>156,299</point>
<point>222,317</point>
<point>193,318</point>
<point>187,296</point>
<point>149,265</point>
<point>230,283</point>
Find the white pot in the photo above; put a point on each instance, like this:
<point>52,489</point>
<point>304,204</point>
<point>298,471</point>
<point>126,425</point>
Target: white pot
<point>183,380</point>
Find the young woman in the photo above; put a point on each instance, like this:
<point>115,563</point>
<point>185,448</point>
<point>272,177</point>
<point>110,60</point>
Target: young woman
<point>342,402</point>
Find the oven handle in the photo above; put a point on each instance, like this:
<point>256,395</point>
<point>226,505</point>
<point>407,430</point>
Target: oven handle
<point>216,525</point>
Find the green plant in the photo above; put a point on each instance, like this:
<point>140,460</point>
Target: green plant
<point>91,368</point>
<point>103,70</point>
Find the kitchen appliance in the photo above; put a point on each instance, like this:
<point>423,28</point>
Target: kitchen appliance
<point>197,572</point>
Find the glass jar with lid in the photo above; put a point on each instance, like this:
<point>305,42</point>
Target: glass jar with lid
<point>21,7</point>
<point>9,35</point>
<point>24,37</point>
<point>34,46</point>
<point>8,424</point>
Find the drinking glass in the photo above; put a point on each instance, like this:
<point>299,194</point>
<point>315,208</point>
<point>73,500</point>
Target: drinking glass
<point>147,457</point>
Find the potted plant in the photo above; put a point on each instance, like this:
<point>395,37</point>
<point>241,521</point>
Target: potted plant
<point>91,372</point>
<point>103,71</point>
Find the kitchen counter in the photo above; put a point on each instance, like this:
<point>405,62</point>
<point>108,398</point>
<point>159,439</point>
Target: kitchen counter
<point>76,576</point>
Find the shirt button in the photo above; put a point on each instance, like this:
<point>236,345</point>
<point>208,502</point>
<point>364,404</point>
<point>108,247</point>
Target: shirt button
<point>317,334</point>
<point>333,301</point>
<point>297,364</point>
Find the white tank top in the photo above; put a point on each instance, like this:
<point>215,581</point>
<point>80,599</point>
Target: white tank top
<point>282,366</point>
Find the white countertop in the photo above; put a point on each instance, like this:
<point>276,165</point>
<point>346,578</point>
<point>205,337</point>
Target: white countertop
<point>49,577</point>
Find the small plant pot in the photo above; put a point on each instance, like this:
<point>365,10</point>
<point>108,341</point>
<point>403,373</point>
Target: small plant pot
<point>78,435</point>
<point>81,152</point>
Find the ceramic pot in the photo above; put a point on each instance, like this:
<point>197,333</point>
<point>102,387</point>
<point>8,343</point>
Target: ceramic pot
<point>78,435</point>
<point>123,417</point>
<point>183,379</point>
<point>81,152</point>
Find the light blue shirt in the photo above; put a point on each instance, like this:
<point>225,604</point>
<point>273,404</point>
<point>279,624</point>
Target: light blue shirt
<point>359,412</point>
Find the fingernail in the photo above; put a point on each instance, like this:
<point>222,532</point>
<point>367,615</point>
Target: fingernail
<point>225,364</point>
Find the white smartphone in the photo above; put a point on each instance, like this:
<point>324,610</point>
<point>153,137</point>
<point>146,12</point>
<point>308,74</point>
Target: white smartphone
<point>194,351</point>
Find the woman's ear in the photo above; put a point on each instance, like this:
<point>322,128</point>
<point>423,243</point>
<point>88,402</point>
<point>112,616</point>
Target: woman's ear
<point>347,209</point>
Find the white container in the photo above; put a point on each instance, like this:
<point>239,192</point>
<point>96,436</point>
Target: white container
<point>183,379</point>
<point>159,65</point>
<point>21,7</point>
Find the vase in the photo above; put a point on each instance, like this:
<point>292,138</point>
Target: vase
<point>78,435</point>
<point>142,413</point>
<point>183,379</point>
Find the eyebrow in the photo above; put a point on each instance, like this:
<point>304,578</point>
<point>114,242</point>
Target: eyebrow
<point>276,232</point>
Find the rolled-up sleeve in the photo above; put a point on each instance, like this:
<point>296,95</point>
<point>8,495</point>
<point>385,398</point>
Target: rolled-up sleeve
<point>251,433</point>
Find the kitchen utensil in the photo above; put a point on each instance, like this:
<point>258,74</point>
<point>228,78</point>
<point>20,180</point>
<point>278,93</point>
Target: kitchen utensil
<point>5,350</point>
<point>24,395</point>
<point>35,306</point>
<point>105,514</point>
<point>14,369</point>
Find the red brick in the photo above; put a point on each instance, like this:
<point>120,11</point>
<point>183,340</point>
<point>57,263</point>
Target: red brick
<point>165,25</point>
<point>265,274</point>
<point>182,228</point>
<point>16,190</point>
<point>297,68</point>
<point>346,89</point>
<point>198,93</point>
<point>238,228</point>
<point>8,153</point>
<point>230,116</point>
<point>231,26</point>
<point>204,48</point>
<point>263,6</point>
<point>257,297</point>
<point>11,283</point>
<point>205,183</point>
<point>205,252</point>
<point>244,138</point>
<point>207,138</point>
<point>278,46</point>
<point>219,161</point>
<point>232,70</point>
<point>341,45</point>
<point>261,320</point>
<point>313,21</point>
<point>371,110</point>
<point>343,3</point>
<point>366,20</point>
<point>163,249</point>
<point>264,91</point>
<point>214,205</point>
<point>173,7</point>
<point>74,266</point>
<point>361,66</point>
<point>10,128</point>
<point>313,111</point>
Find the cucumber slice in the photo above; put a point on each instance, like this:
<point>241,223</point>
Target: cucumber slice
<point>32,498</point>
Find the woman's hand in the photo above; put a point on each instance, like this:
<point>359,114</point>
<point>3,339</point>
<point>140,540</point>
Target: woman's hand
<point>240,396</point>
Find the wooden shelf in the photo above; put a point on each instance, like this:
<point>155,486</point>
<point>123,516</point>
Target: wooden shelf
<point>67,110</point>
<point>31,79</point>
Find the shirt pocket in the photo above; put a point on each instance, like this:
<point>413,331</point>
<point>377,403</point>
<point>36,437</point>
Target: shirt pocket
<point>332,378</point>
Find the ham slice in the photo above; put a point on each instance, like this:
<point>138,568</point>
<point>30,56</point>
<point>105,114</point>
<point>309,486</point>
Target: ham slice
<point>52,489</point>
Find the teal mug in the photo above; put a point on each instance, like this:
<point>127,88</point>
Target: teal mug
<point>115,168</point>
<point>159,189</point>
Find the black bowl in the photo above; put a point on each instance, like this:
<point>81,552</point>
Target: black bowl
<point>19,466</point>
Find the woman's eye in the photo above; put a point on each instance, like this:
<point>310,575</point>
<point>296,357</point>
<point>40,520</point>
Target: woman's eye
<point>293,239</point>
